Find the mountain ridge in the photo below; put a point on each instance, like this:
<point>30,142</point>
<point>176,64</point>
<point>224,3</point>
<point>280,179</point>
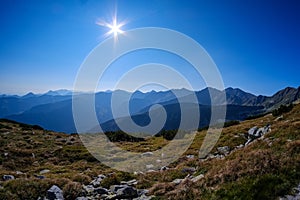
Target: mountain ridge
<point>46,109</point>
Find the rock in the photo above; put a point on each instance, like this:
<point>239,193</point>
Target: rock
<point>89,189</point>
<point>158,161</point>
<point>190,156</point>
<point>177,181</point>
<point>115,188</point>
<point>253,130</point>
<point>279,118</point>
<point>144,197</point>
<point>8,177</point>
<point>96,182</point>
<point>19,172</point>
<point>164,168</point>
<point>44,171</point>
<point>127,192</point>
<point>197,178</point>
<point>39,176</point>
<point>149,166</point>
<point>101,190</point>
<point>5,154</point>
<point>296,195</point>
<point>81,198</point>
<point>240,146</point>
<point>130,183</point>
<point>147,154</point>
<point>189,169</point>
<point>55,193</point>
<point>224,150</point>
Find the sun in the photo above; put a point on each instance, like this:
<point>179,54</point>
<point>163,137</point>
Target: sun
<point>115,27</point>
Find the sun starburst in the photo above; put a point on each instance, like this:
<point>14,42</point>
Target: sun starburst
<point>115,27</point>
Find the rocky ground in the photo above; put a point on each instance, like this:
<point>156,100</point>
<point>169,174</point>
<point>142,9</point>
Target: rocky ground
<point>256,159</point>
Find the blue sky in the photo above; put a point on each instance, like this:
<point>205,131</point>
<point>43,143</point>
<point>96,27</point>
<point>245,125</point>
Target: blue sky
<point>255,44</point>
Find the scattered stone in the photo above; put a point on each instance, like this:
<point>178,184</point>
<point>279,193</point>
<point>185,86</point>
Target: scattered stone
<point>190,156</point>
<point>81,198</point>
<point>149,166</point>
<point>55,193</point>
<point>33,155</point>
<point>130,183</point>
<point>5,154</point>
<point>240,146</point>
<point>96,182</point>
<point>44,171</point>
<point>19,172</point>
<point>158,161</point>
<point>177,181</point>
<point>164,168</point>
<point>147,154</point>
<point>224,150</point>
<point>189,169</point>
<point>197,178</point>
<point>89,189</point>
<point>8,177</point>
<point>39,176</point>
<point>279,118</point>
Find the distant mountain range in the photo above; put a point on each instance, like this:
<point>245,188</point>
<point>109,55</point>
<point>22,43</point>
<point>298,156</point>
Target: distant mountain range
<point>53,110</point>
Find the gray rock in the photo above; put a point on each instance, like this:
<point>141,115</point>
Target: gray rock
<point>81,198</point>
<point>89,189</point>
<point>115,188</point>
<point>96,182</point>
<point>127,192</point>
<point>177,181</point>
<point>130,183</point>
<point>55,193</point>
<point>147,154</point>
<point>44,171</point>
<point>5,154</point>
<point>190,156</point>
<point>149,166</point>
<point>224,150</point>
<point>189,169</point>
<point>143,197</point>
<point>197,178</point>
<point>164,168</point>
<point>8,177</point>
<point>101,190</point>
<point>39,176</point>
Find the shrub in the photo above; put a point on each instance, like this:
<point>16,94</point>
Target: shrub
<point>282,109</point>
<point>72,190</point>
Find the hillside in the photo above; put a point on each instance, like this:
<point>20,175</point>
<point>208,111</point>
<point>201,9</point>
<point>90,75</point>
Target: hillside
<point>267,168</point>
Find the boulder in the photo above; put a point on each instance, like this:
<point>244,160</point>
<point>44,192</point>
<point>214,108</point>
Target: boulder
<point>55,193</point>
<point>164,168</point>
<point>127,192</point>
<point>8,177</point>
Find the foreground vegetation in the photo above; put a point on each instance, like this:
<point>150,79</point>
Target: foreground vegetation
<point>265,169</point>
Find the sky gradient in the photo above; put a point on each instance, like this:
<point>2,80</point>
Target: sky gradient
<point>255,44</point>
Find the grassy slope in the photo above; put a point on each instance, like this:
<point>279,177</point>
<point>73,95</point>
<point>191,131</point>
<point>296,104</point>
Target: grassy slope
<point>265,169</point>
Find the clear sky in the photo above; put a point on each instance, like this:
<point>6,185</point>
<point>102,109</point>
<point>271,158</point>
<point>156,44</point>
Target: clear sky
<point>255,44</point>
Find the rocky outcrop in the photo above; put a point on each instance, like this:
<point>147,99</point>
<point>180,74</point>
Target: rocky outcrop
<point>255,133</point>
